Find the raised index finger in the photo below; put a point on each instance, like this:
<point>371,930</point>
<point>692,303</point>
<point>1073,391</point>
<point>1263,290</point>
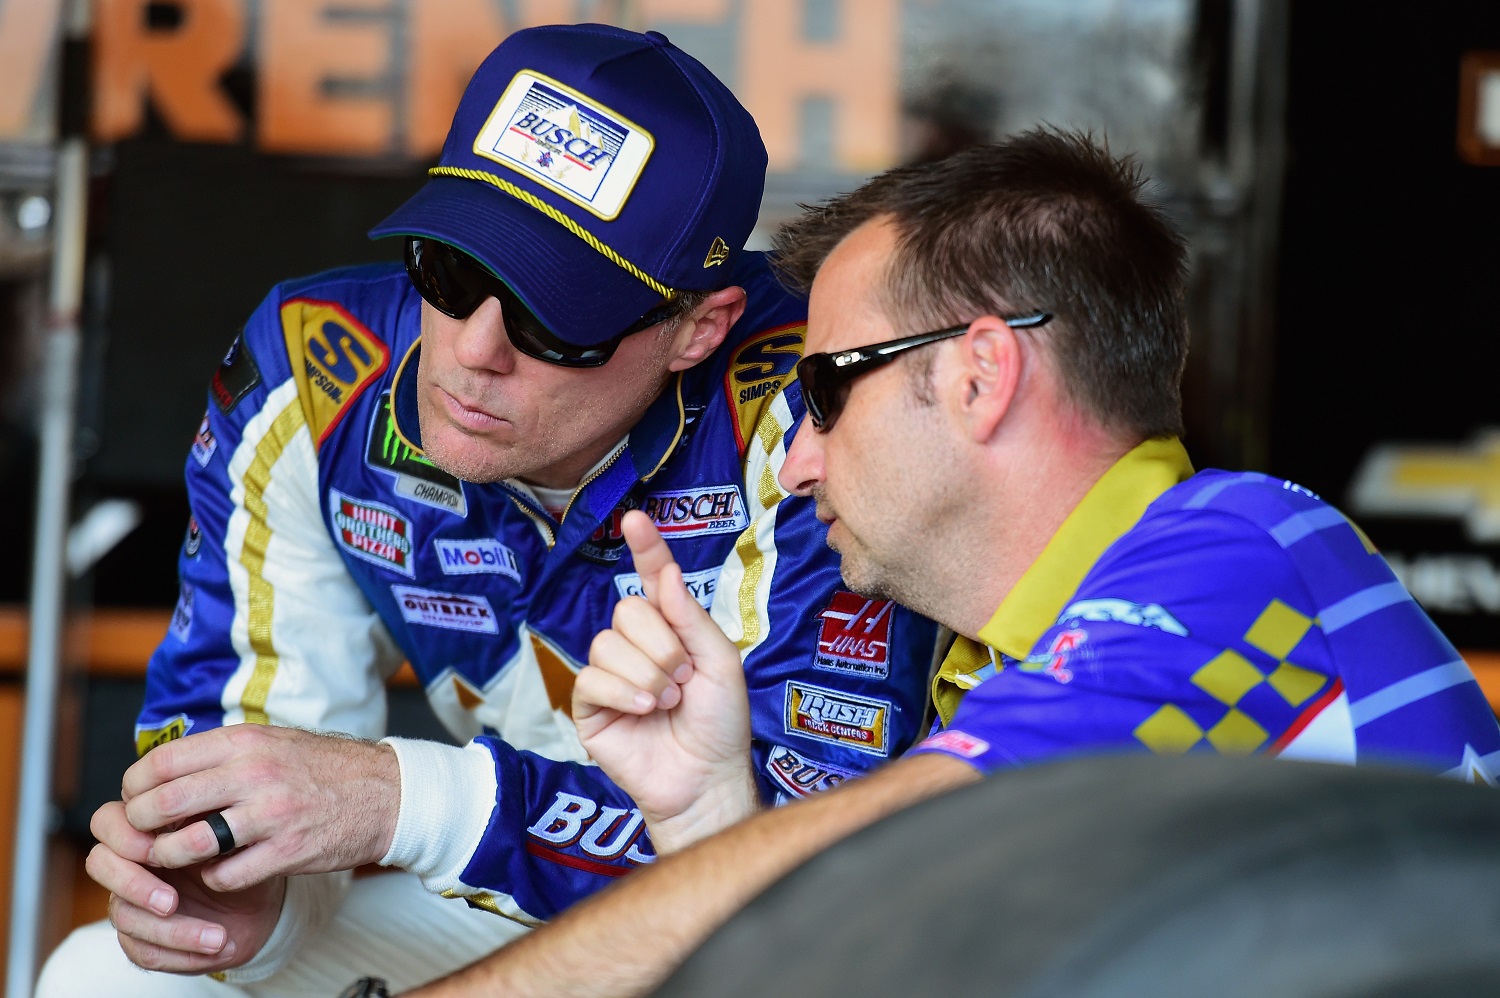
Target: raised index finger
<point>180,757</point>
<point>650,552</point>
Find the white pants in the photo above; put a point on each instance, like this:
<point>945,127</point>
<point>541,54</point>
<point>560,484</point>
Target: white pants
<point>388,926</point>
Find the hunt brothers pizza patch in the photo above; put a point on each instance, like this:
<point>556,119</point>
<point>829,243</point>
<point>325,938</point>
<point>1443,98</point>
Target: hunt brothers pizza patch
<point>371,531</point>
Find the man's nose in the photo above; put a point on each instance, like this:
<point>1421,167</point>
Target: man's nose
<point>803,467</point>
<point>482,343</point>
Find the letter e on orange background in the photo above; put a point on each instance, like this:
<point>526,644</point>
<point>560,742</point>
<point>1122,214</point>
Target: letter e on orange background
<point>450,38</point>
<point>302,50</point>
<point>860,73</point>
<point>177,67</point>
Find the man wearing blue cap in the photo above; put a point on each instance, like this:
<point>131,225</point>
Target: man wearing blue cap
<point>433,465</point>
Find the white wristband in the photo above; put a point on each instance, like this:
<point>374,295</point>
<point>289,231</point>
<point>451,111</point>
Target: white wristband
<point>447,797</point>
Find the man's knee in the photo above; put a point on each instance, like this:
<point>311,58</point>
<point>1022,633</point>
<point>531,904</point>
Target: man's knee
<point>90,964</point>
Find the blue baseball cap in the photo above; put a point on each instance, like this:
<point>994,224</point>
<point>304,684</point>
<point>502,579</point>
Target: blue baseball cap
<point>597,171</point>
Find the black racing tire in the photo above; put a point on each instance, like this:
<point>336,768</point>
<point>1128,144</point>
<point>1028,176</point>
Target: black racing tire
<point>1133,875</point>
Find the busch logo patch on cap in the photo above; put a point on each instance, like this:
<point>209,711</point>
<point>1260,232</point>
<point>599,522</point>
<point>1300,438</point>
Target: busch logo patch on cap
<point>372,531</point>
<point>558,137</point>
<point>838,718</point>
<point>856,636</point>
<point>455,611</point>
<point>477,556</point>
<point>714,509</point>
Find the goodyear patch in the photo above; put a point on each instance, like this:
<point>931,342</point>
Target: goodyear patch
<point>148,736</point>
<point>371,531</point>
<point>758,369</point>
<point>417,478</point>
<point>701,584</point>
<point>856,722</point>
<point>237,375</point>
<point>566,141</point>
<point>334,357</point>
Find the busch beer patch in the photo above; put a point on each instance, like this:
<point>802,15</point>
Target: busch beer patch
<point>800,776</point>
<point>477,556</point>
<point>417,478</point>
<point>236,376</point>
<point>558,137</point>
<point>148,736</point>
<point>455,611</point>
<point>577,833</point>
<point>758,369</point>
<point>204,444</point>
<point>333,357</point>
<point>856,636</point>
<point>700,584</point>
<point>838,718</point>
<point>372,531</point>
<point>713,509</point>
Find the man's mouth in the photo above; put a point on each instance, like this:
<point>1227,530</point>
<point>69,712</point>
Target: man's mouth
<point>467,415</point>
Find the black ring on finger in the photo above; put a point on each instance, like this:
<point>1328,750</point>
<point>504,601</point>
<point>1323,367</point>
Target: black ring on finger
<point>221,831</point>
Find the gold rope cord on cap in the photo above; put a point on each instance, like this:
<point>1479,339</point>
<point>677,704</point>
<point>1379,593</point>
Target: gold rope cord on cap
<point>560,219</point>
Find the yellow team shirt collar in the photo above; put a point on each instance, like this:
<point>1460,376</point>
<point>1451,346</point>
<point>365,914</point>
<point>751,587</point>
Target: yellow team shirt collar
<point>1114,505</point>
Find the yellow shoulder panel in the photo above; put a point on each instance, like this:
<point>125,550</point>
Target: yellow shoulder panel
<point>333,356</point>
<point>759,368</point>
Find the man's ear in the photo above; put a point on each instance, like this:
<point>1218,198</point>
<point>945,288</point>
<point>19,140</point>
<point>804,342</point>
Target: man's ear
<point>990,375</point>
<point>699,335</point>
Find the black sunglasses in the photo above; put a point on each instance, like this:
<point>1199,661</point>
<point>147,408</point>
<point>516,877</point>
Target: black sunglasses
<point>826,377</point>
<point>456,284</point>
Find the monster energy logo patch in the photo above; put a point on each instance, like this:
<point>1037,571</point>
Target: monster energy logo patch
<point>417,478</point>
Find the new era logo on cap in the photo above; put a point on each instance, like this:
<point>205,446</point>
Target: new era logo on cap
<point>558,137</point>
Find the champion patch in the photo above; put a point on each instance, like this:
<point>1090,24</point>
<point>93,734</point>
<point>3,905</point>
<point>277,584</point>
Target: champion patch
<point>856,636</point>
<point>417,478</point>
<point>838,718</point>
<point>800,776</point>
<point>372,531</point>
<point>716,509</point>
<point>455,611</point>
<point>477,556</point>
<point>700,584</point>
<point>558,137</point>
<point>204,444</point>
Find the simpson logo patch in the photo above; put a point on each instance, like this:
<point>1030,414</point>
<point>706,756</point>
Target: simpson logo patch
<point>558,137</point>
<point>477,556</point>
<point>455,611</point>
<point>800,776</point>
<point>856,636</point>
<point>838,718</point>
<point>759,368</point>
<point>372,531</point>
<point>236,376</point>
<point>204,444</point>
<point>716,509</point>
<point>700,584</point>
<point>957,742</point>
<point>147,737</point>
<point>417,478</point>
<point>333,358</point>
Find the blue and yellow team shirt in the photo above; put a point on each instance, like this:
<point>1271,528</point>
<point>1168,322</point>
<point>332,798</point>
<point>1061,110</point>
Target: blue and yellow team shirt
<point>1213,612</point>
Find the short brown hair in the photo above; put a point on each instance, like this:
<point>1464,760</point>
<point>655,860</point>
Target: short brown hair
<point>1046,220</point>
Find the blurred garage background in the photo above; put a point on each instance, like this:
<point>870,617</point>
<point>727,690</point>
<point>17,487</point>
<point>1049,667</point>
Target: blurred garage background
<point>164,162</point>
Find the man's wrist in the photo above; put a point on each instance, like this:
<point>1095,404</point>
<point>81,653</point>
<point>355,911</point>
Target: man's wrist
<point>727,803</point>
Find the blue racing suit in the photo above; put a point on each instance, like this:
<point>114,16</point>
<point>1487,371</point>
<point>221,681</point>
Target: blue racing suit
<point>324,549</point>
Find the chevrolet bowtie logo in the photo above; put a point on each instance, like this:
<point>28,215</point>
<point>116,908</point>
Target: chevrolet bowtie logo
<point>1432,480</point>
<point>717,253</point>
